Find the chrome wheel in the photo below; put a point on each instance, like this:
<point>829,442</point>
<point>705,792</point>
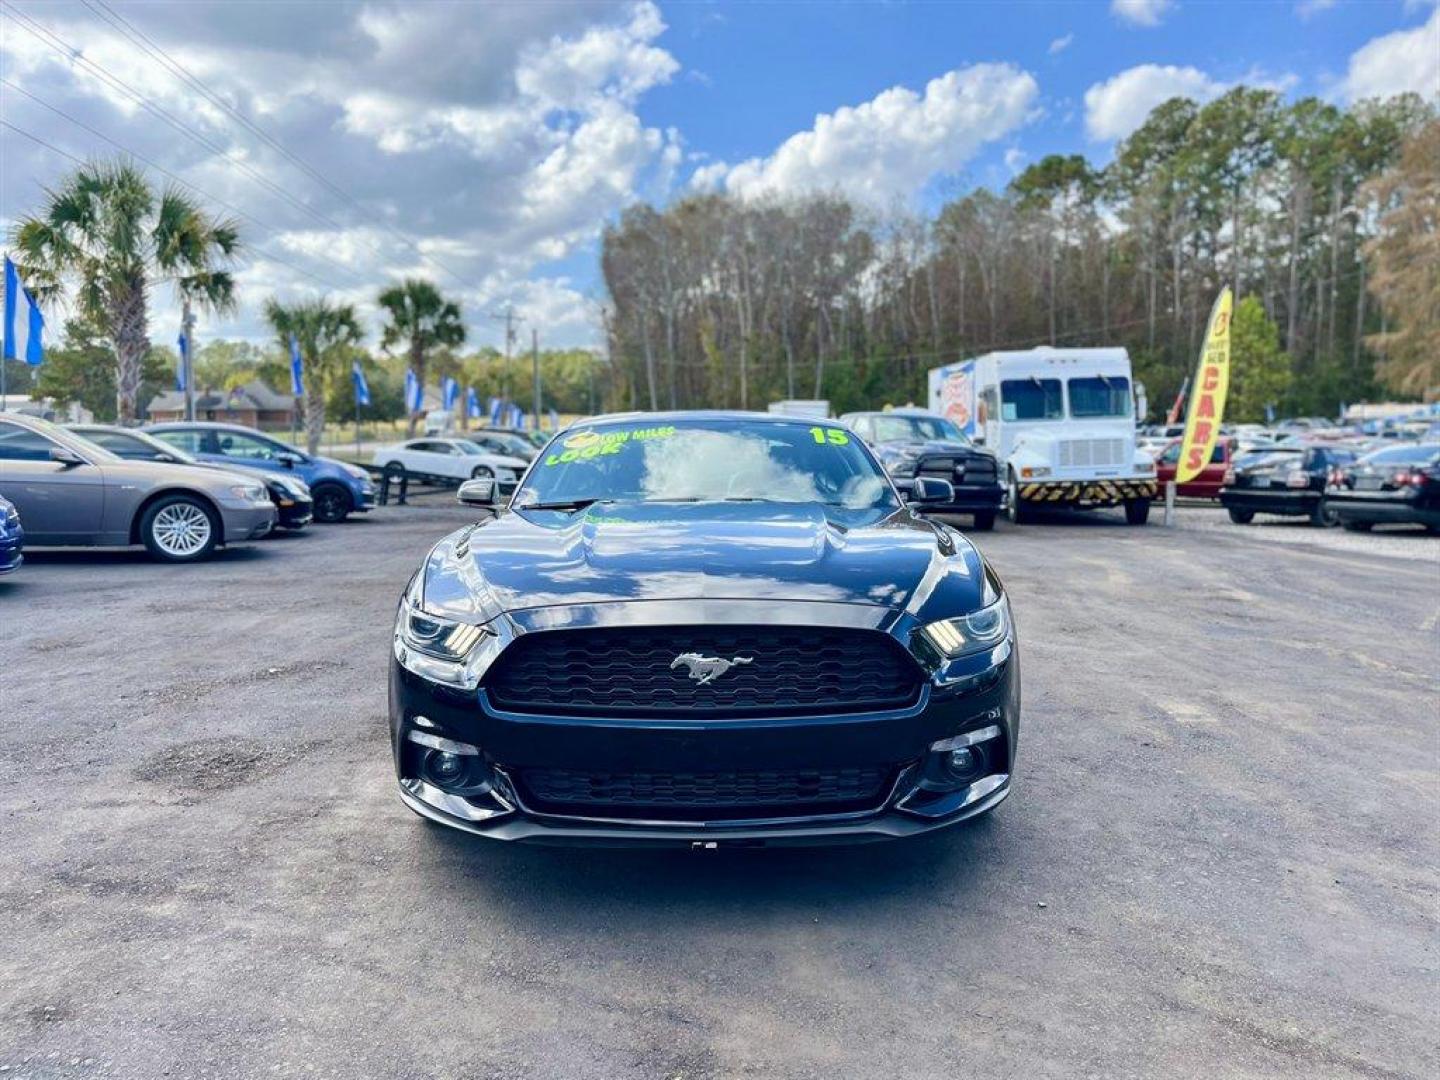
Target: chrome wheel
<point>181,530</point>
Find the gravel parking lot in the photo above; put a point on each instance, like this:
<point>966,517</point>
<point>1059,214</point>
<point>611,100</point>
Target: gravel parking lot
<point>1220,859</point>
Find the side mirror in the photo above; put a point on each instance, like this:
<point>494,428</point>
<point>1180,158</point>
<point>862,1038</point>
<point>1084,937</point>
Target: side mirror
<point>288,459</point>
<point>66,457</point>
<point>479,493</point>
<point>931,489</point>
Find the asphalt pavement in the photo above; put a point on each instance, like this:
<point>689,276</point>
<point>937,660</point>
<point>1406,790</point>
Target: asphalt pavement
<point>1220,858</point>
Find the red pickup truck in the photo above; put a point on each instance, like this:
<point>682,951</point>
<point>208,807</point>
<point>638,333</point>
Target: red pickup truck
<point>1211,479</point>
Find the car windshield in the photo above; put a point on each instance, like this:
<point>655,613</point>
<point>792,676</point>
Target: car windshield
<point>1100,395</point>
<point>1267,459</point>
<point>136,445</point>
<point>707,460</point>
<point>1031,399</point>
<point>892,428</point>
<point>1415,454</point>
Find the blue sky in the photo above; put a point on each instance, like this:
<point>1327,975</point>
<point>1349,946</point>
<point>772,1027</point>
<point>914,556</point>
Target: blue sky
<point>486,145</point>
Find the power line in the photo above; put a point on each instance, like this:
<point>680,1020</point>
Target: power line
<point>63,47</point>
<point>183,183</point>
<point>42,142</point>
<point>143,41</point>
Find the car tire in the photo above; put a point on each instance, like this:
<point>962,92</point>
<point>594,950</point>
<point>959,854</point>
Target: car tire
<point>180,529</point>
<point>1137,511</point>
<point>332,503</point>
<point>1322,516</point>
<point>1241,517</point>
<point>1358,526</point>
<point>1015,509</point>
<point>984,522</point>
<point>482,472</point>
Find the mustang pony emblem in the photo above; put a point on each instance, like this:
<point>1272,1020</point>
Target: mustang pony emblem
<point>704,669</point>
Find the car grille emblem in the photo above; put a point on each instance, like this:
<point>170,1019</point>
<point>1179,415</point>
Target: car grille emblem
<point>705,669</point>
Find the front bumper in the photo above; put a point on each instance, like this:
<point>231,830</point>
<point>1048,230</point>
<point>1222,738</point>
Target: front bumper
<point>1381,508</point>
<point>294,513</point>
<point>251,521</point>
<point>11,558</point>
<point>969,499</point>
<point>986,696</point>
<point>1294,502</point>
<point>1086,493</point>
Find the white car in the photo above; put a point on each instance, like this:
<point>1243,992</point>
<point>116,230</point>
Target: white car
<point>459,459</point>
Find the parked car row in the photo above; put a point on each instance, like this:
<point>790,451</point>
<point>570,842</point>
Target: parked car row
<point>180,489</point>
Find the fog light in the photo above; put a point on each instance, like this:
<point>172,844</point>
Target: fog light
<point>962,760</point>
<point>444,769</point>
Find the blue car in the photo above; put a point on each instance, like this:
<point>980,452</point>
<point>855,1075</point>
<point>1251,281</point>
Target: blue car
<point>12,537</point>
<point>339,489</point>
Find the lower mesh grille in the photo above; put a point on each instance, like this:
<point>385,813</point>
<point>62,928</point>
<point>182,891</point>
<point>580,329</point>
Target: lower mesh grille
<point>710,796</point>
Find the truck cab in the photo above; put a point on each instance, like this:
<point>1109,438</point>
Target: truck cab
<point>1060,421</point>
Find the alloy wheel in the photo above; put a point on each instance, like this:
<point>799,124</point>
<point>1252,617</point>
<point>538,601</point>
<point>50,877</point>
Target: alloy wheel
<point>181,530</point>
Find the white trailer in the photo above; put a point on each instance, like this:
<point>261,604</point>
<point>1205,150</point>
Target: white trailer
<point>1060,421</point>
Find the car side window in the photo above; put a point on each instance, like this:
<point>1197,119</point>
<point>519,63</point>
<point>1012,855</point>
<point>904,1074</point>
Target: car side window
<point>184,440</point>
<point>122,445</point>
<point>1217,456</point>
<point>234,444</point>
<point>1171,454</point>
<point>864,428</point>
<point>22,444</point>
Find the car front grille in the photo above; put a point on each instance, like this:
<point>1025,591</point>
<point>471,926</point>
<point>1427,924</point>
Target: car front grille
<point>704,671</point>
<point>1083,453</point>
<point>707,796</point>
<point>976,469</point>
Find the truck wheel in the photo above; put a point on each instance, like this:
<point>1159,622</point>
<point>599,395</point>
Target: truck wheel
<point>984,522</point>
<point>1137,511</point>
<point>179,528</point>
<point>1323,516</point>
<point>1015,510</point>
<point>1241,517</point>
<point>332,503</point>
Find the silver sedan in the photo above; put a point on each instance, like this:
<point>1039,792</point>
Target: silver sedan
<point>70,491</point>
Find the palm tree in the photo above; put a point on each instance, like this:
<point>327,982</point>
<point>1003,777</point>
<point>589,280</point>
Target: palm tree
<point>326,332</point>
<point>107,230</point>
<point>422,319</point>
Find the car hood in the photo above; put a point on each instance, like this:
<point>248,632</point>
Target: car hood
<point>204,477</point>
<point>618,552</point>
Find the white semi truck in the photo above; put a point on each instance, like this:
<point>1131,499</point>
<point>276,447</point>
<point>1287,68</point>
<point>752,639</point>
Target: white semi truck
<point>1060,421</point>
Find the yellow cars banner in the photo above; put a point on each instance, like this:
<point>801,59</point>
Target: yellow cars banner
<point>1207,406</point>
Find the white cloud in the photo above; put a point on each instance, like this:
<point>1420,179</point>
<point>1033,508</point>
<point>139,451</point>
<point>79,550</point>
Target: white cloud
<point>498,143</point>
<point>1141,12</point>
<point>1395,63</point>
<point>1119,105</point>
<point>890,146</point>
<point>1307,8</point>
<point>1060,44</point>
<point>1014,159</point>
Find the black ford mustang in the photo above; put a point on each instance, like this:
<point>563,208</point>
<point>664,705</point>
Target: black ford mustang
<point>706,629</point>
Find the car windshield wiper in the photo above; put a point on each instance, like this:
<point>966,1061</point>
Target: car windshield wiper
<point>571,504</point>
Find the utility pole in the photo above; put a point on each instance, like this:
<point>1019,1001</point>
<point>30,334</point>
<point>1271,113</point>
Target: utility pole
<point>510,323</point>
<point>187,325</point>
<point>535,364</point>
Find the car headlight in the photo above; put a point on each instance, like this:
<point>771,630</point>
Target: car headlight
<point>249,492</point>
<point>294,487</point>
<point>904,468</point>
<point>973,633</point>
<point>441,649</point>
<point>1145,468</point>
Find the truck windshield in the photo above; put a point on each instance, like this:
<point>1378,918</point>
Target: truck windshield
<point>711,460</point>
<point>1099,395</point>
<point>1031,399</point>
<point>892,428</point>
